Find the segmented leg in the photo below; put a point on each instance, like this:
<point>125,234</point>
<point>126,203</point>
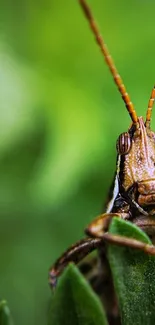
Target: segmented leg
<point>74,254</point>
<point>83,247</point>
<point>98,229</point>
<point>128,242</point>
<point>101,224</point>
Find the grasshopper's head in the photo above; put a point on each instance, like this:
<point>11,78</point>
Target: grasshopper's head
<point>136,157</point>
<point>136,150</point>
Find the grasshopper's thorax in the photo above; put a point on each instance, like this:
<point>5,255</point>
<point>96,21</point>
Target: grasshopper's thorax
<point>137,162</point>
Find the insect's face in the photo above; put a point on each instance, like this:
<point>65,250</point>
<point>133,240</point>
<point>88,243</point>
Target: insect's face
<point>136,149</point>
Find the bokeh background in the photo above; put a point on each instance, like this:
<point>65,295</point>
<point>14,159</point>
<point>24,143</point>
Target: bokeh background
<point>60,116</point>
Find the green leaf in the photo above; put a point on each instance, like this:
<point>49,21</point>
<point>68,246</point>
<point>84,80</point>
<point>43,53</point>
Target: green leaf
<point>134,276</point>
<point>74,302</point>
<point>5,316</point>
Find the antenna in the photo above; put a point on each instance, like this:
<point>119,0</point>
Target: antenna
<point>150,106</point>
<point>109,61</point>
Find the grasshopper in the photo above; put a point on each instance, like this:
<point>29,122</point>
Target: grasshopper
<point>132,197</point>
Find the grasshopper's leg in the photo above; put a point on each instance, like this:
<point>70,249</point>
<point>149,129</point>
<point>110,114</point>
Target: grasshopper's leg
<point>74,254</point>
<point>99,228</point>
<point>101,224</point>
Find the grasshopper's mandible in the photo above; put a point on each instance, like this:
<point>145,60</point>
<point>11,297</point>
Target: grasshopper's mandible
<point>133,195</point>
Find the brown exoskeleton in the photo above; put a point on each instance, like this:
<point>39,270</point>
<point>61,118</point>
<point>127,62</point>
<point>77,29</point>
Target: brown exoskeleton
<point>133,195</point>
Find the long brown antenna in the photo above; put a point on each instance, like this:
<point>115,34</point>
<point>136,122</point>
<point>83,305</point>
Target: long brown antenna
<point>109,61</point>
<point>150,106</point>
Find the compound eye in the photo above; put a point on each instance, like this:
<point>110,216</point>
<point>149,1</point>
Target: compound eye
<point>123,143</point>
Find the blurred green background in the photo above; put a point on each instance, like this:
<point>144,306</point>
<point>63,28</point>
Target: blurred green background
<point>60,116</point>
